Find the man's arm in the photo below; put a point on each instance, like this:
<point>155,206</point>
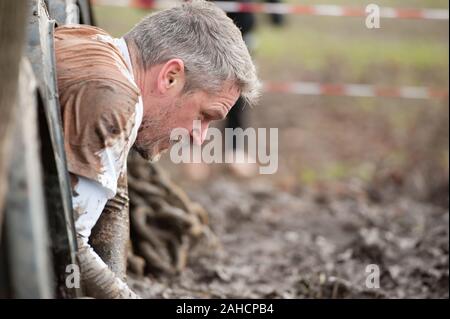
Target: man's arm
<point>111,234</point>
<point>100,123</point>
<point>89,199</point>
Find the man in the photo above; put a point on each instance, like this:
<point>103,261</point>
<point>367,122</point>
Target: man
<point>176,66</point>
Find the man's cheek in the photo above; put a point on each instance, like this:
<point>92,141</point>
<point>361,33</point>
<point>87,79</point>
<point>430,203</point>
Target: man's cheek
<point>185,124</point>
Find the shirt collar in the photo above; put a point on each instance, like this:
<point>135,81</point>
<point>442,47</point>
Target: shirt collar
<point>123,47</point>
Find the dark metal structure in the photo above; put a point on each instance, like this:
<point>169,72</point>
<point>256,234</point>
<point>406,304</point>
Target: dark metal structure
<point>39,226</point>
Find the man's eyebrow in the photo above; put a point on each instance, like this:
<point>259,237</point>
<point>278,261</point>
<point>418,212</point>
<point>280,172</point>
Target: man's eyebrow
<point>217,114</point>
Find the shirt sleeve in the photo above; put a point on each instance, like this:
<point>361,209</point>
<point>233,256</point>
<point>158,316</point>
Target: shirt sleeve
<point>98,121</point>
<point>88,200</point>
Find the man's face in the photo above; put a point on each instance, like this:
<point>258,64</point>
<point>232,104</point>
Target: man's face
<point>165,113</point>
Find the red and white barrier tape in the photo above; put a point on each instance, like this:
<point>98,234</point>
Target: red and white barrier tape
<point>354,90</point>
<point>283,8</point>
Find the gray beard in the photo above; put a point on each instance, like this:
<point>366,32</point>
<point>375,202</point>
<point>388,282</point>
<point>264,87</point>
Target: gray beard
<point>143,153</point>
<point>145,148</point>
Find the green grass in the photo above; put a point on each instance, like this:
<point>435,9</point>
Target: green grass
<point>117,20</point>
<point>313,50</point>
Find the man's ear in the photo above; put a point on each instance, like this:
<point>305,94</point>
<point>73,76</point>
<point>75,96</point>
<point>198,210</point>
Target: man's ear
<point>171,76</point>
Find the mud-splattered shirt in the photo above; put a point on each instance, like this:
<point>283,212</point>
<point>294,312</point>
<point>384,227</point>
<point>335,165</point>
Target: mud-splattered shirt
<point>101,111</point>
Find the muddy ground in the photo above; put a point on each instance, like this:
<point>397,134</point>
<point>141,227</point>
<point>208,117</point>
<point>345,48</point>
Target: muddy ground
<point>301,244</point>
<point>353,188</point>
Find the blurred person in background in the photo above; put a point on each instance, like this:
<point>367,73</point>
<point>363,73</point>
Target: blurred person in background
<point>238,115</point>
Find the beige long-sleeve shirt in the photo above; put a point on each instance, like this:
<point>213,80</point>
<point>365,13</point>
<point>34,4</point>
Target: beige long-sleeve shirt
<point>101,112</point>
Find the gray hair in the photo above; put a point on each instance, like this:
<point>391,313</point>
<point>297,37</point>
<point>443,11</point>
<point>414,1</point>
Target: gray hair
<point>208,42</point>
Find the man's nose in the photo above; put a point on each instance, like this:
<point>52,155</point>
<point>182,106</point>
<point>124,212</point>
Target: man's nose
<point>199,133</point>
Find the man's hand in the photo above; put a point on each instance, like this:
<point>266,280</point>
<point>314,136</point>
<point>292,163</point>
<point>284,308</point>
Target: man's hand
<point>99,281</point>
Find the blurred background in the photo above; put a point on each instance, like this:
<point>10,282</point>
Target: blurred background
<point>361,180</point>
